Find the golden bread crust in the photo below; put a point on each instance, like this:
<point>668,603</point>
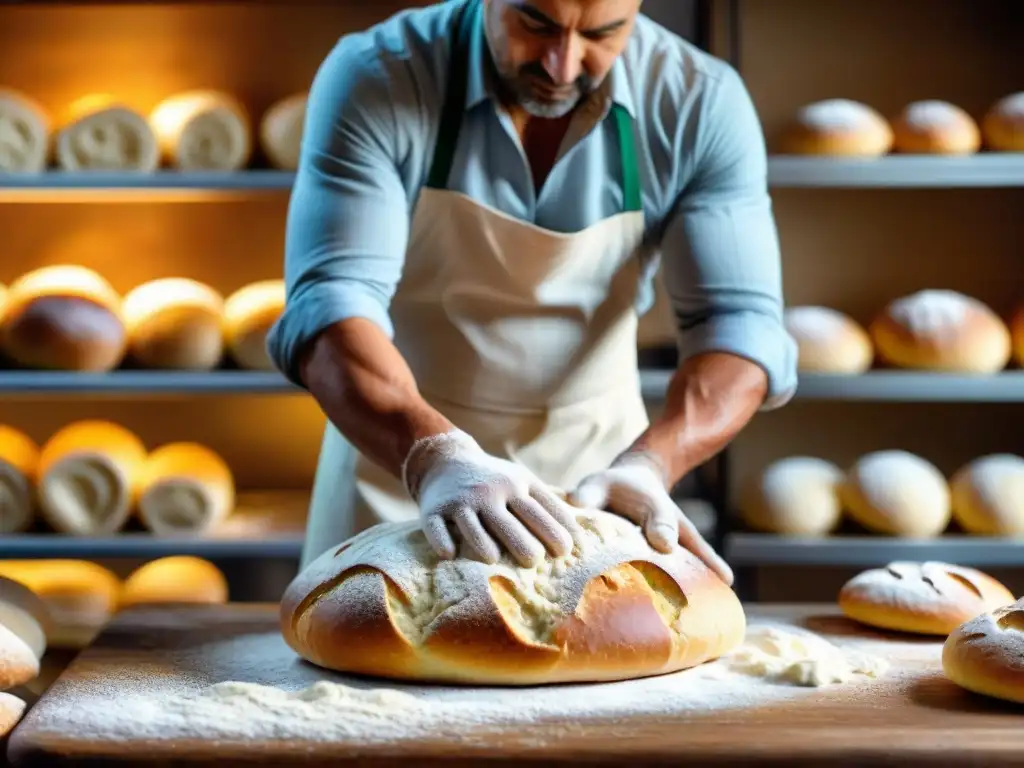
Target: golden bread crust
<point>986,654</point>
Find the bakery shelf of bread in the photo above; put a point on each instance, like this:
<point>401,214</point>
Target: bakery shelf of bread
<point>897,171</point>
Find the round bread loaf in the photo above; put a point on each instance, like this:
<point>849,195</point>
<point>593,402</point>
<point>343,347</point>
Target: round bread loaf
<point>925,598</point>
<point>985,655</point>
<point>186,488</point>
<point>101,134</point>
<point>281,131</point>
<point>11,710</point>
<point>829,341</point>
<point>63,318</point>
<point>1003,124</point>
<point>249,313</point>
<point>24,613</point>
<point>934,127</point>
<point>988,495</point>
<point>24,134</point>
<point>941,330</point>
<point>203,130</point>
<point>839,127</point>
<point>382,604</point>
<point>18,664</point>
<point>897,493</point>
<point>174,322</point>
<point>179,579</point>
<point>797,496</point>
<point>19,465</point>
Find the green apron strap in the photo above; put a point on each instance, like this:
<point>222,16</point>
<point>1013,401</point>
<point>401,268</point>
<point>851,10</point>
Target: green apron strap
<point>631,200</point>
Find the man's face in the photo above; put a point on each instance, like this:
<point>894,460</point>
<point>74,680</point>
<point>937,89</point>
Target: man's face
<point>551,54</point>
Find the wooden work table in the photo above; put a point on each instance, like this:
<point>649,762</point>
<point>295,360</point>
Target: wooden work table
<point>912,716</point>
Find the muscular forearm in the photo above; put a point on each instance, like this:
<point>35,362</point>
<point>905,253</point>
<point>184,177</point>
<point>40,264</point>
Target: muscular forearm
<point>366,389</point>
<point>710,399</point>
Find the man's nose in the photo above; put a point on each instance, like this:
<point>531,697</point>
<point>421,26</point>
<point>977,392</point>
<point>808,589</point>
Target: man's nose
<point>563,61</point>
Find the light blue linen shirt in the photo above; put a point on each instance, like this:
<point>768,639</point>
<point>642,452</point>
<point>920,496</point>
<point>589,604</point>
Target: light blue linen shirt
<point>371,125</point>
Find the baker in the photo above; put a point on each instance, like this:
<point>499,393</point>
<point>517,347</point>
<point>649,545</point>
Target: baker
<point>485,191</point>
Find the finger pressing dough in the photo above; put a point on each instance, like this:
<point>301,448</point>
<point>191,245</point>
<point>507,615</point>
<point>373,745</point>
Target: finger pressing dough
<point>897,493</point>
<point>988,495</point>
<point>186,488</point>
<point>11,711</point>
<point>203,130</point>
<point>101,134</point>
<point>839,127</point>
<point>942,330</point>
<point>174,323</point>
<point>89,473</point>
<point>249,314</point>
<point>281,131</point>
<point>829,341</point>
<point>175,580</point>
<point>985,654</point>
<point>798,495</point>
<point>24,134</point>
<point>1003,124</point>
<point>19,464</point>
<point>934,127</point>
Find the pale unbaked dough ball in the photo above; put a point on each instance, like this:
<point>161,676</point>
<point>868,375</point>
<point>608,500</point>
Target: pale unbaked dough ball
<point>837,127</point>
<point>796,496</point>
<point>934,127</point>
<point>988,495</point>
<point>829,341</point>
<point>1003,125</point>
<point>897,493</point>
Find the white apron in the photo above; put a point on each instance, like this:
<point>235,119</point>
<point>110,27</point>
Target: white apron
<point>523,337</point>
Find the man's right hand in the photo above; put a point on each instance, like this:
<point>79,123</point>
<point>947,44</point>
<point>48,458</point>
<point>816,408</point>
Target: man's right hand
<point>490,500</point>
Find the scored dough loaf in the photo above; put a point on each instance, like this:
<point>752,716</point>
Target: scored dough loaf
<point>89,475</point>
<point>63,317</point>
<point>281,131</point>
<point>24,134</point>
<point>203,130</point>
<point>941,330</point>
<point>988,495</point>
<point>11,711</point>
<point>1003,124</point>
<point>382,604</point>
<point>985,655</point>
<point>897,493</point>
<point>249,314</point>
<point>829,341</point>
<point>19,465</point>
<point>24,613</point>
<point>186,488</point>
<point>178,579</point>
<point>934,127</point>
<point>839,127</point>
<point>174,322</point>
<point>797,496</point>
<point>100,133</point>
<point>927,598</point>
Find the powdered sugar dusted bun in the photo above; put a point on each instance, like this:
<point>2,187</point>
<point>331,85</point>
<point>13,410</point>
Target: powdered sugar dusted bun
<point>986,654</point>
<point>383,604</point>
<point>797,495</point>
<point>941,330</point>
<point>11,710</point>
<point>1003,125</point>
<point>927,598</point>
<point>934,127</point>
<point>897,493</point>
<point>988,495</point>
<point>829,341</point>
<point>837,127</point>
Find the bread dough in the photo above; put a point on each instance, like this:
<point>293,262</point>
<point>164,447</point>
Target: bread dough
<point>112,138</point>
<point>24,134</point>
<point>203,130</point>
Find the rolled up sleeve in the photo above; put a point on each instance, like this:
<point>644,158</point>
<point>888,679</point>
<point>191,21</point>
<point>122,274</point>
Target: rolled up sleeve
<point>348,217</point>
<point>720,247</point>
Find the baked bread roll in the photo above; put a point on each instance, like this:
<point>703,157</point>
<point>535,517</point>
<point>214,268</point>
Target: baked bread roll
<point>24,134</point>
<point>203,130</point>
<point>175,323</point>
<point>63,318</point>
<point>941,330</point>
<point>18,664</point>
<point>924,598</point>
<point>988,495</point>
<point>19,463</point>
<point>829,341</point>
<point>796,496</point>
<point>79,595</point>
<point>89,474</point>
<point>984,654</point>
<point>175,580</point>
<point>281,131</point>
<point>897,493</point>
<point>11,711</point>
<point>249,313</point>
<point>934,127</point>
<point>25,614</point>
<point>383,604</point>
<point>101,134</point>
<point>1003,124</point>
<point>839,127</point>
<point>185,488</point>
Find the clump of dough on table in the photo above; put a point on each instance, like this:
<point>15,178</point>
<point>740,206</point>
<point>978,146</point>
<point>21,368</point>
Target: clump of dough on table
<point>986,654</point>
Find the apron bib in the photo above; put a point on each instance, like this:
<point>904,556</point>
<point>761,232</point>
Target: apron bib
<point>522,337</point>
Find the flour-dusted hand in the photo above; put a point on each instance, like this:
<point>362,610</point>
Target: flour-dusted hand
<point>490,500</point>
<point>634,487</point>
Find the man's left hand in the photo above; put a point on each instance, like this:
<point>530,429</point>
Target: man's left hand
<point>634,487</point>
